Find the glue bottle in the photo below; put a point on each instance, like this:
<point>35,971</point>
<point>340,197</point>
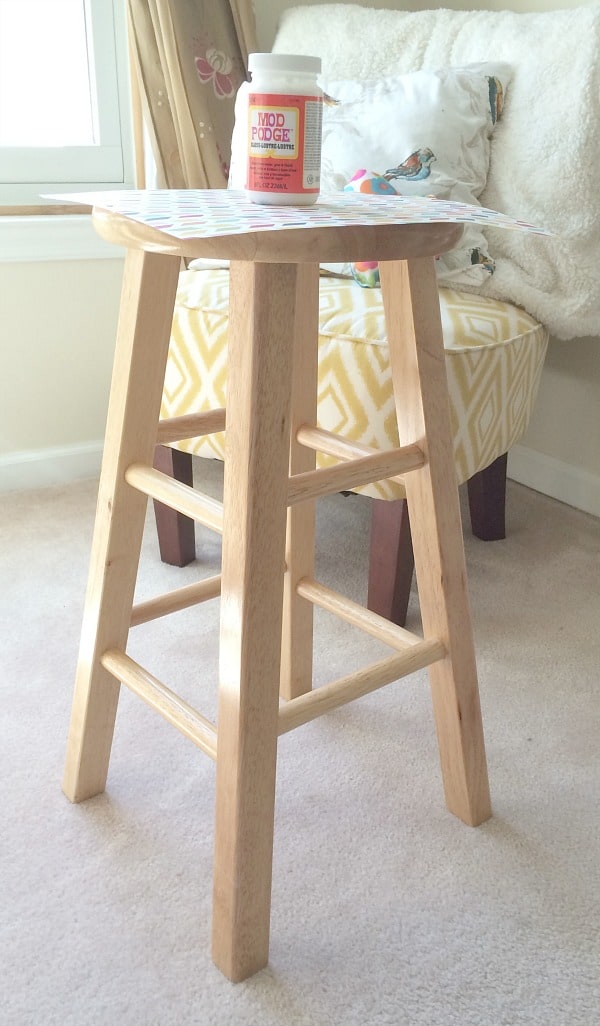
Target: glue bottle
<point>285,114</point>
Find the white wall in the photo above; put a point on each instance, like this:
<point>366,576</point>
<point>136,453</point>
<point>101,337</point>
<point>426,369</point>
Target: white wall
<point>57,330</point>
<point>57,327</point>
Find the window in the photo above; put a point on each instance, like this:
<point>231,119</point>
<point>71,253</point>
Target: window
<point>64,98</point>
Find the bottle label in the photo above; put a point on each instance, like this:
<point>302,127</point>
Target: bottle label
<point>284,143</point>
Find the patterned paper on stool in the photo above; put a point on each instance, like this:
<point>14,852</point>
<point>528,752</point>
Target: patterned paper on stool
<point>209,213</point>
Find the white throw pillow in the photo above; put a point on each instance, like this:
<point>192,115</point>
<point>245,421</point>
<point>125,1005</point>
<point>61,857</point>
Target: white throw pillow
<point>427,133</point>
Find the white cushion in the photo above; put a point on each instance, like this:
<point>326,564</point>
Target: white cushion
<point>428,133</point>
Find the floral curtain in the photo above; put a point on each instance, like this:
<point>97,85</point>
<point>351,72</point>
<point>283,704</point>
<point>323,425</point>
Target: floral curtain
<point>188,59</point>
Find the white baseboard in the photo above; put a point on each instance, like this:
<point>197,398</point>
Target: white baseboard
<point>58,466</point>
<point>42,468</point>
<point>573,485</point>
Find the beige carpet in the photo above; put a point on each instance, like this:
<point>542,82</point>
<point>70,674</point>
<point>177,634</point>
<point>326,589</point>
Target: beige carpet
<point>386,909</point>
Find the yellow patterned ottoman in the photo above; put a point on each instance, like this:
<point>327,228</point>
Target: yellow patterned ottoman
<point>494,358</point>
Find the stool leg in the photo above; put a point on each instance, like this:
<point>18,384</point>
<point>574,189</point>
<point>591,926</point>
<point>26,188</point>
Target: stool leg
<point>419,376</point>
<point>255,505</point>
<point>149,285</point>
<point>297,635</point>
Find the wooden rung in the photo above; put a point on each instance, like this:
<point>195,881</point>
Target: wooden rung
<point>178,496</point>
<point>334,445</point>
<point>345,476</point>
<point>314,703</point>
<point>173,601</point>
<point>173,708</point>
<point>192,425</point>
<point>357,615</point>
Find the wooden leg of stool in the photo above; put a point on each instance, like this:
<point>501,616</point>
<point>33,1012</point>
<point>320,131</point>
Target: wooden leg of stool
<point>149,286</point>
<point>391,560</point>
<point>419,375</point>
<point>255,505</point>
<point>297,636</point>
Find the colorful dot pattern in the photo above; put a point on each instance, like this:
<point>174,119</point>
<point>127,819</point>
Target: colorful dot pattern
<point>209,213</point>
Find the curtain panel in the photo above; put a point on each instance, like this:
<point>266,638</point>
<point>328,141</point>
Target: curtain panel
<point>189,58</point>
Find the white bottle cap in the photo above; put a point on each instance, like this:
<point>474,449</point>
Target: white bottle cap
<point>284,62</point>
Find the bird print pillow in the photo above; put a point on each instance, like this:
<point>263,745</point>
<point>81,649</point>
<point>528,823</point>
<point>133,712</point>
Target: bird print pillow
<point>366,273</point>
<point>422,134</point>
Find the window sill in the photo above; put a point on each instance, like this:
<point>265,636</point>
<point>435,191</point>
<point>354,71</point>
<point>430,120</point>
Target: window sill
<point>32,239</point>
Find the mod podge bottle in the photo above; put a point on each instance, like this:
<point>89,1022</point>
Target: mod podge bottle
<point>285,115</point>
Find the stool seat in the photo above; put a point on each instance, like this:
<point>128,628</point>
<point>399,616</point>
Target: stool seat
<point>267,584</point>
<point>280,245</point>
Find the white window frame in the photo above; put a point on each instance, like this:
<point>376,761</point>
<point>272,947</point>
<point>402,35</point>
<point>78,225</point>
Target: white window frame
<point>108,165</point>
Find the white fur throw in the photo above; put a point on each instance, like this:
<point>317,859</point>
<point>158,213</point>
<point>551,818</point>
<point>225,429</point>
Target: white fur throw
<point>545,160</point>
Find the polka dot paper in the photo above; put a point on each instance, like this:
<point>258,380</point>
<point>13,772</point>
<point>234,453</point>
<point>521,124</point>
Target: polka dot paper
<point>210,213</point>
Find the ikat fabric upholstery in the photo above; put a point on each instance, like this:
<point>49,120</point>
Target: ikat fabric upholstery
<point>494,358</point>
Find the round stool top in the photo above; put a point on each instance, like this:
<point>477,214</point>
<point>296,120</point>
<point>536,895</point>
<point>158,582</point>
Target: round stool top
<point>340,227</point>
<point>223,224</point>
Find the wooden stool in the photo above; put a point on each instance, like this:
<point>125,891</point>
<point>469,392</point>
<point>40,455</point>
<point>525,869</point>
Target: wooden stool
<point>267,585</point>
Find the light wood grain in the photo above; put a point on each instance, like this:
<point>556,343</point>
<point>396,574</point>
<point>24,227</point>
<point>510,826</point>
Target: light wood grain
<point>331,444</point>
<point>359,616</point>
<point>179,496</point>
<point>148,298</point>
<point>273,322</point>
<point>164,701</point>
<point>137,116</point>
<point>419,377</point>
<point>255,484</point>
<point>174,601</point>
<point>331,242</point>
<point>359,471</point>
<point>46,210</point>
<point>297,633</point>
<point>190,425</point>
<point>355,685</point>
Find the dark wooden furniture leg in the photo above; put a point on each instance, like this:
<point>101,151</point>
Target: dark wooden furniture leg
<point>176,536</point>
<point>487,501</point>
<point>391,562</point>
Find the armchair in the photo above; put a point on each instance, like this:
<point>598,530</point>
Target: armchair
<point>495,333</point>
